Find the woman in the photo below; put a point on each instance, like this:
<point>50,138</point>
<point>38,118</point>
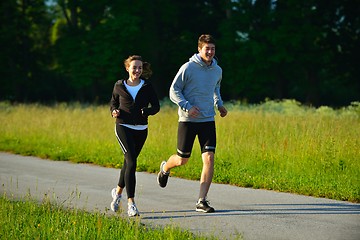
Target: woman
<point>132,101</point>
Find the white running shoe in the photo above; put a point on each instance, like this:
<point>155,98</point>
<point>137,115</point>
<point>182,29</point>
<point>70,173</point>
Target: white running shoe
<point>132,210</point>
<point>116,200</point>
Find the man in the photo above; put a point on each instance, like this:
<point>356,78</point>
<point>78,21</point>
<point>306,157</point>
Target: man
<point>196,90</point>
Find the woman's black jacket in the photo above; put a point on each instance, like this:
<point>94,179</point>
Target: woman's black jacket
<point>134,112</point>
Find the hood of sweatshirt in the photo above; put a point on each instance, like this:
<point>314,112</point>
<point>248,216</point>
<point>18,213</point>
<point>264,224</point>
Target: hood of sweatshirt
<point>197,59</point>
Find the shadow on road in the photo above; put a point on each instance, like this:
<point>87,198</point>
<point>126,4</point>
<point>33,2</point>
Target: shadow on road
<point>263,209</point>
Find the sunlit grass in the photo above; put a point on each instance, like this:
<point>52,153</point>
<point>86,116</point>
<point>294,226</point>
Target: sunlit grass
<point>310,154</point>
<point>281,146</point>
<point>28,219</point>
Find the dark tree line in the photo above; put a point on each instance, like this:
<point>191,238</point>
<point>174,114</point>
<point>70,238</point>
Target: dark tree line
<point>73,50</point>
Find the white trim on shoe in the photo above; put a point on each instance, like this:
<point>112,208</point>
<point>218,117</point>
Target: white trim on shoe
<point>114,205</point>
<point>132,210</point>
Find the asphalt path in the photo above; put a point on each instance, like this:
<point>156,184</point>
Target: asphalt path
<point>250,213</point>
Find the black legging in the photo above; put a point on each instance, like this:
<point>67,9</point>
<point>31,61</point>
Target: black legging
<point>131,142</point>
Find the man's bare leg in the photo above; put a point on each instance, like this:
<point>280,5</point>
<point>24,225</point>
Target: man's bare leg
<point>174,161</point>
<point>206,174</point>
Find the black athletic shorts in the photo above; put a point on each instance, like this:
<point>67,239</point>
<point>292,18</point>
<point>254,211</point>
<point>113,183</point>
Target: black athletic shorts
<point>187,132</point>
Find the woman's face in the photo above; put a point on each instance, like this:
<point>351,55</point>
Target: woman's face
<point>135,69</point>
<point>207,52</point>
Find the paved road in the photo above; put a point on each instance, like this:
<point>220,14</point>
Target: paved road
<point>255,214</point>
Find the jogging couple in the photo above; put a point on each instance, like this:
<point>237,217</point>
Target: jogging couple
<point>196,90</point>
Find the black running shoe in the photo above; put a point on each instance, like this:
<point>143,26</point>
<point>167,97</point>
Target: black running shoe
<point>162,177</point>
<point>203,206</point>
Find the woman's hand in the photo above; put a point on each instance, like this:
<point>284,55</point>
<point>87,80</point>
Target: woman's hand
<point>115,113</point>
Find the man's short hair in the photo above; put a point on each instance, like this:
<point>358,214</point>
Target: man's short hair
<point>205,38</point>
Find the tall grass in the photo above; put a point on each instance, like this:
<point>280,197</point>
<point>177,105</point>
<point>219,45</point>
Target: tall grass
<point>308,153</point>
<point>28,219</point>
<point>282,146</point>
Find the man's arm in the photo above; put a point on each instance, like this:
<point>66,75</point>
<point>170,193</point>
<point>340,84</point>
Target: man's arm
<point>176,90</point>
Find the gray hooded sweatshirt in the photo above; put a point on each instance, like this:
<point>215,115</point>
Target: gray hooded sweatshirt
<point>197,84</point>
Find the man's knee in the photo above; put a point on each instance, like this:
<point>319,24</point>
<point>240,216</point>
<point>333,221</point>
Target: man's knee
<point>208,157</point>
<point>181,160</point>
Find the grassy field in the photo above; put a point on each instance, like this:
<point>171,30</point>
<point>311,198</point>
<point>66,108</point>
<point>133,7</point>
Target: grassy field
<point>281,146</point>
<point>27,219</point>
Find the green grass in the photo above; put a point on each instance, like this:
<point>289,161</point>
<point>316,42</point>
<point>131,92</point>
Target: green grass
<point>28,219</point>
<point>281,146</point>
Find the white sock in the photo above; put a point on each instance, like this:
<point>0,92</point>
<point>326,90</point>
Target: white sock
<point>163,171</point>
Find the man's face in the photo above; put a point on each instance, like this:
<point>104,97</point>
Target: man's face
<point>207,52</point>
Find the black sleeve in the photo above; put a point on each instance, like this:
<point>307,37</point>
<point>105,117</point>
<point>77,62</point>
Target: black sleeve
<point>114,101</point>
<point>154,103</point>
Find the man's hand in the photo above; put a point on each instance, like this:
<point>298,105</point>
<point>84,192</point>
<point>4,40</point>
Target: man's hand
<point>194,112</point>
<point>223,111</point>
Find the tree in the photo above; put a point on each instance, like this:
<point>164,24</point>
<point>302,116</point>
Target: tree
<point>284,49</point>
<point>73,50</point>
<point>24,44</point>
<point>91,40</point>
